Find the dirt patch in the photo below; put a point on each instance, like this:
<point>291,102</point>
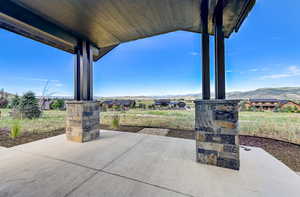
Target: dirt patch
<point>154,131</point>
<point>187,134</point>
<point>25,137</point>
<point>124,128</point>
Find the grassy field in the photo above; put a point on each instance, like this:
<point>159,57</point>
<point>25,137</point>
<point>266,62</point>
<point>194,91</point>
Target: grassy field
<point>50,120</point>
<point>282,126</point>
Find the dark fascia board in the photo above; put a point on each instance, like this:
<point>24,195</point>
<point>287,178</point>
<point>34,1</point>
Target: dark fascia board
<point>246,10</point>
<point>244,14</point>
<point>104,51</point>
<point>21,21</point>
<point>18,19</point>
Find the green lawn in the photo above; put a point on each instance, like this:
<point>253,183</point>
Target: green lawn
<point>282,126</point>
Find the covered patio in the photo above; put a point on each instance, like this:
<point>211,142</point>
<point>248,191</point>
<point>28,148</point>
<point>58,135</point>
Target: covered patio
<point>90,29</point>
<point>123,164</point>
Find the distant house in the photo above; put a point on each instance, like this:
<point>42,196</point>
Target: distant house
<point>178,104</point>
<point>162,102</point>
<point>120,103</point>
<point>271,104</point>
<point>169,103</point>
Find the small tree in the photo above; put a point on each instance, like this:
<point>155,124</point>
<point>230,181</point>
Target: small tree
<point>116,107</point>
<point>287,109</point>
<point>15,102</point>
<point>58,104</point>
<point>104,108</point>
<point>3,102</point>
<point>277,108</point>
<point>295,109</point>
<point>243,106</point>
<point>29,107</point>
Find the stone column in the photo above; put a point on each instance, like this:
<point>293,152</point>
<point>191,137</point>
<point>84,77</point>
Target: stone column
<point>216,125</point>
<point>83,120</point>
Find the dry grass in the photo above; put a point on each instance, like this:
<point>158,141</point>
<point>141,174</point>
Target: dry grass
<point>50,121</point>
<point>281,126</point>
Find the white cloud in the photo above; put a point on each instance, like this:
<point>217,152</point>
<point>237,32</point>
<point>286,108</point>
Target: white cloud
<point>277,76</point>
<point>36,79</point>
<point>292,71</point>
<point>58,85</point>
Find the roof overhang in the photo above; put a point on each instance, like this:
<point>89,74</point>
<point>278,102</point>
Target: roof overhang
<point>108,23</point>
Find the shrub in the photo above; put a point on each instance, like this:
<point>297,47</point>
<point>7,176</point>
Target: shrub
<point>29,107</point>
<point>142,106</point>
<point>58,104</point>
<point>277,109</point>
<point>104,108</point>
<point>295,109</point>
<point>287,109</point>
<point>115,124</point>
<point>3,103</point>
<point>15,102</point>
<point>116,107</point>
<point>243,106</point>
<point>15,130</point>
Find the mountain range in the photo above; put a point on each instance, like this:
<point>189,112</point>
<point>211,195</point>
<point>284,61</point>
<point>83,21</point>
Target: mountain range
<point>288,93</point>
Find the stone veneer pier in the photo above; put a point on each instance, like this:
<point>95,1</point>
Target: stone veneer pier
<point>83,120</point>
<point>216,125</point>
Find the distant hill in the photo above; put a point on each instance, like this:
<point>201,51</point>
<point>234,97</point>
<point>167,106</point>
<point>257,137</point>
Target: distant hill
<point>289,93</point>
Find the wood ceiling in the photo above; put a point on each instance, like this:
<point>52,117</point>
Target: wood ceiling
<point>107,23</point>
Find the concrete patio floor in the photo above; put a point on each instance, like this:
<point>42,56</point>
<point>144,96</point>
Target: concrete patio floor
<point>127,164</point>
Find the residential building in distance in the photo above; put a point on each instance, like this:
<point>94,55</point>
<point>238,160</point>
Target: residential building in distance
<point>271,104</point>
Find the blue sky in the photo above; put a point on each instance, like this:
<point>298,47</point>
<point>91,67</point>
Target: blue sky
<point>264,53</point>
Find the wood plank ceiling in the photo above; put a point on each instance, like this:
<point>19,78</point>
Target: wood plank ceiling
<point>110,22</point>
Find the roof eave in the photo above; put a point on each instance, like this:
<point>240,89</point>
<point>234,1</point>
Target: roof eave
<point>248,7</point>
